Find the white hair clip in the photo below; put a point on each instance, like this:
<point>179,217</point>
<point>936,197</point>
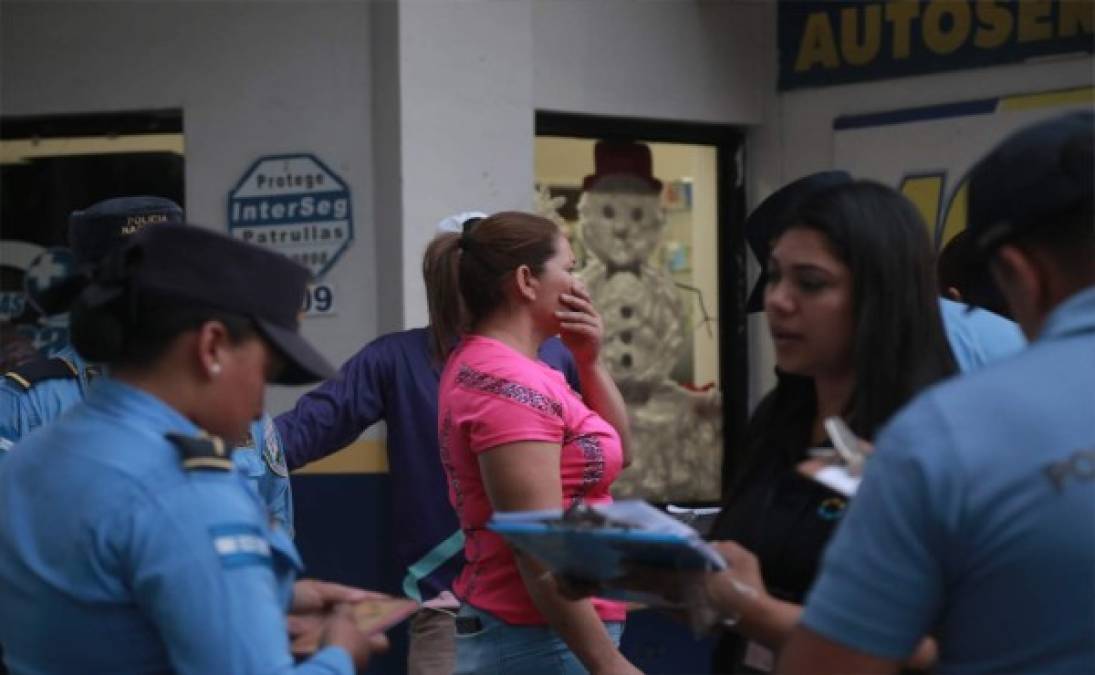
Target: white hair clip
<point>455,222</point>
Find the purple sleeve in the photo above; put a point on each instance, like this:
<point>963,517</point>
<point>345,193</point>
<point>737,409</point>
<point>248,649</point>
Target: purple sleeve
<point>334,414</point>
<point>554,353</point>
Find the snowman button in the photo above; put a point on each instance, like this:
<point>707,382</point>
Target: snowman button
<point>625,311</point>
<point>625,360</point>
<point>625,337</point>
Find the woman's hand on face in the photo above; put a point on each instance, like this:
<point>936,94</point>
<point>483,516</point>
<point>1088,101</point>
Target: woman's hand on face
<point>581,327</point>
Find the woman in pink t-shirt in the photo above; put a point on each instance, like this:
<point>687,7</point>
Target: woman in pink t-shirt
<point>515,436</point>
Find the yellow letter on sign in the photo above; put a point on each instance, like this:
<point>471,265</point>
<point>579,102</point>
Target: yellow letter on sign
<point>995,23</point>
<point>817,44</point>
<point>1033,20</point>
<point>938,40</point>
<point>900,14</point>
<point>854,51</point>
<point>1076,16</point>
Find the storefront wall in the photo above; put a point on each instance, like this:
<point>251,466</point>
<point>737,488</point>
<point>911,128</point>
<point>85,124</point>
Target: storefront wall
<point>251,79</point>
<point>424,108</point>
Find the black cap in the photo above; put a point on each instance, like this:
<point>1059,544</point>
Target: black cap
<point>103,226</point>
<point>775,214</point>
<point>1041,172</point>
<point>195,264</point>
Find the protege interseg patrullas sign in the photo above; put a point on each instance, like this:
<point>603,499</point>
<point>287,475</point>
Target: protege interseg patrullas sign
<point>295,205</point>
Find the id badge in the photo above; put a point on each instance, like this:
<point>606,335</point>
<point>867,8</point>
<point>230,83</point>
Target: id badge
<point>759,657</point>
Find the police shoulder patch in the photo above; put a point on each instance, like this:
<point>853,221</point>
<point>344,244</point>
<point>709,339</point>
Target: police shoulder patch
<point>239,545</point>
<point>30,374</point>
<point>272,451</point>
<point>202,452</point>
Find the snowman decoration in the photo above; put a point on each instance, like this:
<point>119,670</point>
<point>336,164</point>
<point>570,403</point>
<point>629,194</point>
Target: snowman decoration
<point>677,433</point>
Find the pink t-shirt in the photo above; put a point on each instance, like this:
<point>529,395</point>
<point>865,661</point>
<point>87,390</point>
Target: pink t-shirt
<point>491,395</point>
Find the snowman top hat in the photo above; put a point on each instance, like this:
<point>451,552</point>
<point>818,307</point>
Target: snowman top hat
<point>620,165</point>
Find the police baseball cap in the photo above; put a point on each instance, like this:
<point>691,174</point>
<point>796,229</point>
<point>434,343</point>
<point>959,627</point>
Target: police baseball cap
<point>105,225</point>
<point>95,232</point>
<point>1036,176</point>
<point>774,215</point>
<point>196,265</point>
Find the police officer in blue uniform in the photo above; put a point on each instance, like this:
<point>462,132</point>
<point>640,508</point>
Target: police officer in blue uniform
<point>39,391</point>
<point>128,543</point>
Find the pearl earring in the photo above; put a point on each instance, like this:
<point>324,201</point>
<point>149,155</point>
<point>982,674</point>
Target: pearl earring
<point>215,369</point>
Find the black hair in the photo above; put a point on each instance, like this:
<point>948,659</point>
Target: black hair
<point>899,344</point>
<point>960,268</point>
<point>117,326</point>
<point>1069,240</point>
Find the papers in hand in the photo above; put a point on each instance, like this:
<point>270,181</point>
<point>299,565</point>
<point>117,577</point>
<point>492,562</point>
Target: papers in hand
<point>845,459</point>
<point>601,544</point>
<point>839,479</point>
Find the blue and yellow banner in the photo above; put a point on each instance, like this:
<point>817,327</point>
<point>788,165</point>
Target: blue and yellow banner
<point>826,43</point>
<point>926,152</point>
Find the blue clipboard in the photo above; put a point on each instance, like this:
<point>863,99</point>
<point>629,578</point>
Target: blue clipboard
<point>600,554</point>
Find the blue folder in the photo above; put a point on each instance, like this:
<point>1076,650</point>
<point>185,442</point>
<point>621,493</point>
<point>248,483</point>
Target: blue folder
<point>593,552</point>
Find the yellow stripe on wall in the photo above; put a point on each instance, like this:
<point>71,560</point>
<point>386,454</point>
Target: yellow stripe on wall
<point>365,456</point>
<point>1048,99</point>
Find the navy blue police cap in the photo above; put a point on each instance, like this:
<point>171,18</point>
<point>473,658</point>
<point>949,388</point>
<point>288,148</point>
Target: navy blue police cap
<point>1036,176</point>
<point>103,226</point>
<point>96,231</point>
<point>196,265</point>
<point>775,214</point>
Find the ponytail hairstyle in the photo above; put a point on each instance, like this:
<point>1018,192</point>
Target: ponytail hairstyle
<point>116,323</point>
<point>440,271</point>
<point>465,274</point>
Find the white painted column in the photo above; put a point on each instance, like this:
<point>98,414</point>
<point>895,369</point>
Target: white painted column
<point>466,120</point>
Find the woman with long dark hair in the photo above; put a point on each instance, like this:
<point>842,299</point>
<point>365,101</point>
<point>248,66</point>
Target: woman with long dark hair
<point>514,436</point>
<point>853,311</point>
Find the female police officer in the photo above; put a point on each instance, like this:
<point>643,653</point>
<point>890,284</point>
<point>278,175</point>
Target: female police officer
<point>40,391</point>
<point>127,542</point>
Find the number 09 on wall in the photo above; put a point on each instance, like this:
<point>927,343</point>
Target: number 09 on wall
<point>319,300</point>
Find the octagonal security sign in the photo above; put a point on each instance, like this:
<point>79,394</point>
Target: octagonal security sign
<point>295,205</point>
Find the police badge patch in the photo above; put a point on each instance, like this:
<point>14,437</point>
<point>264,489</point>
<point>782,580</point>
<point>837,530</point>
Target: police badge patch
<point>271,448</point>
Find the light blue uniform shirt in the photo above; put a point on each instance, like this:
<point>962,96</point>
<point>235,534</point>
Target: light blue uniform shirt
<point>261,459</point>
<point>115,558</point>
<point>978,336</point>
<point>23,410</point>
<point>975,521</point>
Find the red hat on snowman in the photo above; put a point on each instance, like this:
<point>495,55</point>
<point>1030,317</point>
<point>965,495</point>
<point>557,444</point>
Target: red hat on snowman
<point>622,166</point>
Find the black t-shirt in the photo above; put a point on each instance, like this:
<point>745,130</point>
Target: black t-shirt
<point>784,518</point>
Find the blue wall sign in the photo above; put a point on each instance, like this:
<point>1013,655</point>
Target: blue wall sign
<point>824,43</point>
<point>295,205</point>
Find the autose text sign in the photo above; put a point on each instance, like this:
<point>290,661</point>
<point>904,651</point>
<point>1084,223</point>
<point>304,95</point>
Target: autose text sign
<point>295,205</point>
<point>824,43</point>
